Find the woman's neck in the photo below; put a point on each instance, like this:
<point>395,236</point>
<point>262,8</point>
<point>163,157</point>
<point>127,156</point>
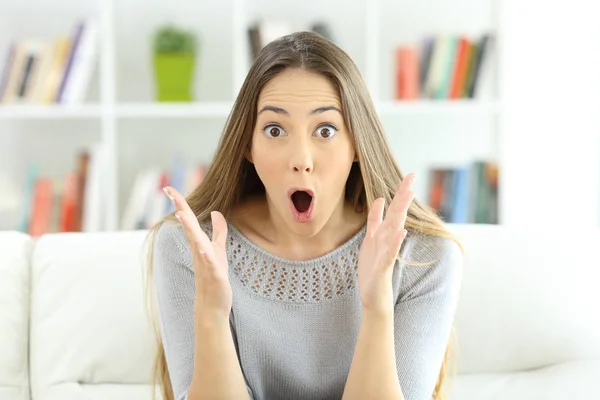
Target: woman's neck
<point>265,227</point>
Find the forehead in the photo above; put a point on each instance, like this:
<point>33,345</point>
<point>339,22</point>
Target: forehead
<point>299,87</point>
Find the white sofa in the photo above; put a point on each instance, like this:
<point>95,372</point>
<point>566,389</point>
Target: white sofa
<point>73,323</point>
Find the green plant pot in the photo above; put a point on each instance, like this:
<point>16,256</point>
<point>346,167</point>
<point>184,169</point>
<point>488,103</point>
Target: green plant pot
<point>174,75</point>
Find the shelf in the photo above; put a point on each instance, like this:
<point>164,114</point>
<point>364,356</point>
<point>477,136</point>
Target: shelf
<point>174,110</point>
<point>50,111</point>
<point>437,107</point>
<point>222,109</point>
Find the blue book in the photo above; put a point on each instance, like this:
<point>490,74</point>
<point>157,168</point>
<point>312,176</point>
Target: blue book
<point>32,175</point>
<point>460,211</point>
<point>177,181</point>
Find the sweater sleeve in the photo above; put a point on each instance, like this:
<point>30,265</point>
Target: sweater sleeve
<point>175,291</point>
<point>424,314</point>
<point>175,294</point>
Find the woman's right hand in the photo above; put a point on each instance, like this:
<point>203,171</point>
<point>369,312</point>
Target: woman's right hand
<point>213,290</point>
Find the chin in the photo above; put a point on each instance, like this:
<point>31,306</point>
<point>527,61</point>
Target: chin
<point>304,228</point>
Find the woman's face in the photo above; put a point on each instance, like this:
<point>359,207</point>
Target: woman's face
<point>302,150</point>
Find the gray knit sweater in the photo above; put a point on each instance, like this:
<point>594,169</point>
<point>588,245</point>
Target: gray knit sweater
<point>295,323</point>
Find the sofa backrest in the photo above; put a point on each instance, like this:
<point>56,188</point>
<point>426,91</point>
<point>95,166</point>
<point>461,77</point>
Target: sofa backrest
<point>88,319</point>
<point>15,250</point>
<point>529,298</point>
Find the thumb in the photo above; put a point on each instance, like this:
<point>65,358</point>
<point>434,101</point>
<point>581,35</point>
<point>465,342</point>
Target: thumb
<point>375,216</point>
<point>219,225</point>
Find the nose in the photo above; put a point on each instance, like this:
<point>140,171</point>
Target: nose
<point>301,159</point>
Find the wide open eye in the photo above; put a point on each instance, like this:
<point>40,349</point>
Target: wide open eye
<point>326,131</point>
<point>273,131</point>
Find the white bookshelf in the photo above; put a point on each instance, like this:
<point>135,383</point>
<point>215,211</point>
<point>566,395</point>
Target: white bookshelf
<point>114,110</point>
<point>434,107</point>
<point>222,109</point>
<point>21,112</point>
<point>191,110</point>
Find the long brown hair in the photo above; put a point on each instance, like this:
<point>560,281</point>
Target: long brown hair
<point>232,178</point>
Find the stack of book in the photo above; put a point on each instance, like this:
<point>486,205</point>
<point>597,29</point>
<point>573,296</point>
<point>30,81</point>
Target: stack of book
<point>69,203</point>
<point>443,67</point>
<point>73,202</point>
<point>50,71</point>
<point>147,202</point>
<point>466,194</point>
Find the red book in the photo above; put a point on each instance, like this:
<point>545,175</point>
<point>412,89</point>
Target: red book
<point>460,71</point>
<point>407,73</point>
<point>436,190</point>
<point>83,160</point>
<point>42,207</point>
<point>69,204</point>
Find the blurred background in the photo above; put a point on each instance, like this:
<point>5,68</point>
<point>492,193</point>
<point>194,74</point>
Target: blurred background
<point>492,103</point>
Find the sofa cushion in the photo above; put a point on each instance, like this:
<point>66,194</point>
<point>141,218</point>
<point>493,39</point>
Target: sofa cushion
<point>15,249</point>
<point>90,337</point>
<point>529,298</point>
<point>99,391</point>
<point>576,380</point>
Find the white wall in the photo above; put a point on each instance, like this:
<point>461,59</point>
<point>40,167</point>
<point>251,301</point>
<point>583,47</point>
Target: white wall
<point>550,86</point>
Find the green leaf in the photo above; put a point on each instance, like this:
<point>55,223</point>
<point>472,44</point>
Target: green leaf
<point>170,39</point>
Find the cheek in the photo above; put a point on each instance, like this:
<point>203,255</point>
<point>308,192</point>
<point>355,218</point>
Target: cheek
<point>336,165</point>
<point>268,163</point>
<point>339,167</point>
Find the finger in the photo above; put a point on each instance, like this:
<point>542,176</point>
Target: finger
<point>375,216</point>
<point>178,200</point>
<point>219,225</point>
<point>394,242</point>
<point>196,236</point>
<point>398,209</point>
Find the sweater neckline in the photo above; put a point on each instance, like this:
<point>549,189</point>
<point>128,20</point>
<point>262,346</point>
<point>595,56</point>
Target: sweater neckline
<point>333,254</point>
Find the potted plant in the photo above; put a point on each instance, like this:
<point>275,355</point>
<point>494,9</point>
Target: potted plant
<point>174,62</point>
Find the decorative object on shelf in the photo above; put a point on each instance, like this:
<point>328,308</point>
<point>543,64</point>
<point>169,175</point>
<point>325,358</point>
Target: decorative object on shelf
<point>265,31</point>
<point>323,29</point>
<point>174,63</point>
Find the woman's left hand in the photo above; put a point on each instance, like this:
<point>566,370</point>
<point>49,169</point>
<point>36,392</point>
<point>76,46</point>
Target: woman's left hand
<point>380,248</point>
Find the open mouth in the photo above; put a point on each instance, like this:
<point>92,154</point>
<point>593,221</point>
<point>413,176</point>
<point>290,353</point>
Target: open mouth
<point>301,200</point>
<point>302,204</point>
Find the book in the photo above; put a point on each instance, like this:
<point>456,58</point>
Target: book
<point>54,70</point>
<point>465,193</point>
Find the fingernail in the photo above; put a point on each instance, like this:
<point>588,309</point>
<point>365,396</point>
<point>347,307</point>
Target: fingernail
<point>412,179</point>
<point>166,190</point>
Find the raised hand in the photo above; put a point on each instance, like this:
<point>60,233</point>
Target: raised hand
<point>213,290</point>
<point>380,249</point>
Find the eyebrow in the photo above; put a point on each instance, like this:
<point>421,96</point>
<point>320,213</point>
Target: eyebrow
<point>281,111</point>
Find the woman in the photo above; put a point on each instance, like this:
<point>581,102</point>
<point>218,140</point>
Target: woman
<point>279,277</point>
